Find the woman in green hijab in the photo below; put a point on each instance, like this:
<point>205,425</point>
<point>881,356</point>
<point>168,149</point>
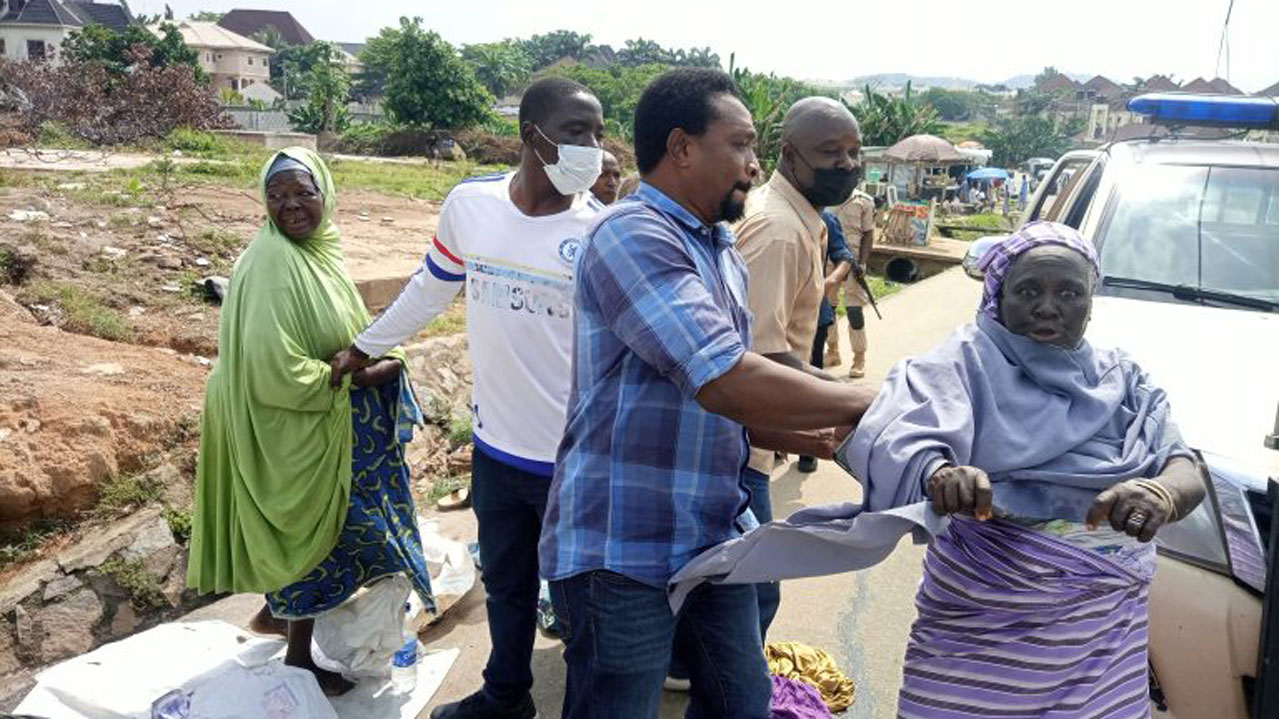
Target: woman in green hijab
<point>302,492</point>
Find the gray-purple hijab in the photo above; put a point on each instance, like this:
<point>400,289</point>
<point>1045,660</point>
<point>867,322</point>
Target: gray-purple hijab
<point>1051,427</point>
<point>999,259</point>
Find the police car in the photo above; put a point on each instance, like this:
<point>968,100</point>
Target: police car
<point>1187,229</point>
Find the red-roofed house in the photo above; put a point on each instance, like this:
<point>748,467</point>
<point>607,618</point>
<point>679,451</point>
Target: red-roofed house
<point>1057,84</point>
<point>1216,86</point>
<point>1160,83</point>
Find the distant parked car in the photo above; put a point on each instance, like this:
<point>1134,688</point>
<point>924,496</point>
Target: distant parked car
<point>1188,235</point>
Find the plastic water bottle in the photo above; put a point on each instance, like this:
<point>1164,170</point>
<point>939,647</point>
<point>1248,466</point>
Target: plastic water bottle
<point>173,705</point>
<point>404,668</point>
<point>404,661</point>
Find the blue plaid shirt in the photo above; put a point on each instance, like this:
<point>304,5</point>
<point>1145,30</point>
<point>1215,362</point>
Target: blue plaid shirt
<point>645,478</point>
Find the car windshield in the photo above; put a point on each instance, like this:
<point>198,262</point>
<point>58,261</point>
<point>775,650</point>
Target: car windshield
<point>1208,229</point>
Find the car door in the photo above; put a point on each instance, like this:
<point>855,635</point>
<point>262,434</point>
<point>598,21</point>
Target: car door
<point>1050,199</point>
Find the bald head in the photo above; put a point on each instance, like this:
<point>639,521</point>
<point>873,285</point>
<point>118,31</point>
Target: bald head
<point>817,116</point>
<point>821,150</point>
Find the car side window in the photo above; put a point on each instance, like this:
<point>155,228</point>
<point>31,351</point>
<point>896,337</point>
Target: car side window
<point>1054,194</point>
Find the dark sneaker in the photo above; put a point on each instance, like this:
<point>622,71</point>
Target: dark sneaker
<point>480,706</point>
<point>807,465</point>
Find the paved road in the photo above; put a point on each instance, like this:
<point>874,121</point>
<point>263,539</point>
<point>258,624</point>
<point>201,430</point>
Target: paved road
<point>862,619</point>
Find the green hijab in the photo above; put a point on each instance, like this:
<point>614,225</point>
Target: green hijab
<point>274,475</point>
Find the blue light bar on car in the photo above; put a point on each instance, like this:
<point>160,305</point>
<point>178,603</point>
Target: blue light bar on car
<point>1243,112</point>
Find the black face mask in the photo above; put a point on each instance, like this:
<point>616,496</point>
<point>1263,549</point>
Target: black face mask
<point>831,187</point>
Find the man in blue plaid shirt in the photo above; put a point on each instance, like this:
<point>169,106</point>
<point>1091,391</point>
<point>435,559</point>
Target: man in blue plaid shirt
<point>664,395</point>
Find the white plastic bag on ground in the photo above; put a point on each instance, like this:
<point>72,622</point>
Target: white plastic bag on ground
<point>363,633</point>
<point>453,572</point>
<point>226,671</point>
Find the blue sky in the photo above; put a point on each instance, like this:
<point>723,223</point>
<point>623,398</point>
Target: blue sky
<point>818,39</point>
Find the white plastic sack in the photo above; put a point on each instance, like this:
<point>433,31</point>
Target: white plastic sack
<point>226,671</point>
<point>228,674</point>
<point>363,633</point>
<point>457,570</point>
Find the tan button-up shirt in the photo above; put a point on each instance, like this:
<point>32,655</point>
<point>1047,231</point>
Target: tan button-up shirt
<point>783,240</point>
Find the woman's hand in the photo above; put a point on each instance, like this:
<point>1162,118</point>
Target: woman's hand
<point>1131,509</point>
<point>1139,511</point>
<point>345,362</point>
<point>378,373</point>
<point>961,490</point>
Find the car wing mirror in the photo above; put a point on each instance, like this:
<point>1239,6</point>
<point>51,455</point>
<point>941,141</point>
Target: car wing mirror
<point>977,251</point>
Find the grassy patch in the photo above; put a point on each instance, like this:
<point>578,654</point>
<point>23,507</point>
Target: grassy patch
<point>56,135</point>
<point>179,523</point>
<point>460,431</point>
<point>427,181</point>
<point>25,545</point>
<point>9,178</point>
<point>197,143</point>
<point>879,287</point>
<point>82,312</point>
<point>126,492</point>
<point>445,486</point>
<point>451,322</point>
<point>132,576</point>
<point>216,242</point>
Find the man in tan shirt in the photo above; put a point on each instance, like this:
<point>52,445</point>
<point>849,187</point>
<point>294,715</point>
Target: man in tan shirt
<point>857,217</point>
<point>783,240</point>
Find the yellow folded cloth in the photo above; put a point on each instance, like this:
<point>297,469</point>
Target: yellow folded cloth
<point>814,667</point>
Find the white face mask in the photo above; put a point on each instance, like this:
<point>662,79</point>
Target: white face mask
<point>578,167</point>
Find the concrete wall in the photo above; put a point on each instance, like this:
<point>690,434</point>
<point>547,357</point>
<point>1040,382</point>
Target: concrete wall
<point>272,140</point>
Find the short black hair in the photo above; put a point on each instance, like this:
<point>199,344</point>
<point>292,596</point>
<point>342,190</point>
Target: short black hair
<point>542,96</point>
<point>676,99</point>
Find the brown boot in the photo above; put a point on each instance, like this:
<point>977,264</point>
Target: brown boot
<point>858,370</point>
<point>832,347</point>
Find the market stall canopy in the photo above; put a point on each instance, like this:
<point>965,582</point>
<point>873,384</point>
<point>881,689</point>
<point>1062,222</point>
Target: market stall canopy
<point>924,149</point>
<point>988,173</point>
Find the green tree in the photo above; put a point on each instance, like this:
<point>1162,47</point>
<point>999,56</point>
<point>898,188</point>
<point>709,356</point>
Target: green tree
<point>207,16</point>
<point>328,90</point>
<point>118,51</point>
<point>428,84</point>
<point>886,120</point>
<point>618,89</point>
<point>701,57</point>
<point>1016,140</point>
<point>645,52</point>
<point>501,66</point>
<point>545,50</point>
<point>768,97</point>
<point>1047,73</point>
<point>951,105</point>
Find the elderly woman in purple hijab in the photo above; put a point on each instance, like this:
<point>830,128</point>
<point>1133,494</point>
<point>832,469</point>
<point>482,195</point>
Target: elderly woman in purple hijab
<point>1057,463</point>
<point>1040,467</point>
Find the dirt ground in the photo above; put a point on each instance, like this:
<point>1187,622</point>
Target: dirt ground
<point>127,266</point>
<point>143,261</point>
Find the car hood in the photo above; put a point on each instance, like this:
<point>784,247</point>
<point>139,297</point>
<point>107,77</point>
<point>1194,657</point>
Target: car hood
<point>1217,365</point>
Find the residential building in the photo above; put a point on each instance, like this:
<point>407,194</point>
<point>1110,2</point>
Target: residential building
<point>1272,91</point>
<point>35,29</point>
<point>1215,86</point>
<point>233,61</point>
<point>249,23</point>
<point>1160,83</point>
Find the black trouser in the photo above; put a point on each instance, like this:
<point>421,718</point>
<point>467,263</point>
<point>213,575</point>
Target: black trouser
<point>509,504</point>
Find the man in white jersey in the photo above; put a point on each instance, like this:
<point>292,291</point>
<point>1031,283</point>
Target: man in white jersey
<point>511,239</point>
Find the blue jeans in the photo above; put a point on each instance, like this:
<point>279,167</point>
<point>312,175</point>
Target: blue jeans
<point>770,593</point>
<point>509,504</point>
<point>619,641</point>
